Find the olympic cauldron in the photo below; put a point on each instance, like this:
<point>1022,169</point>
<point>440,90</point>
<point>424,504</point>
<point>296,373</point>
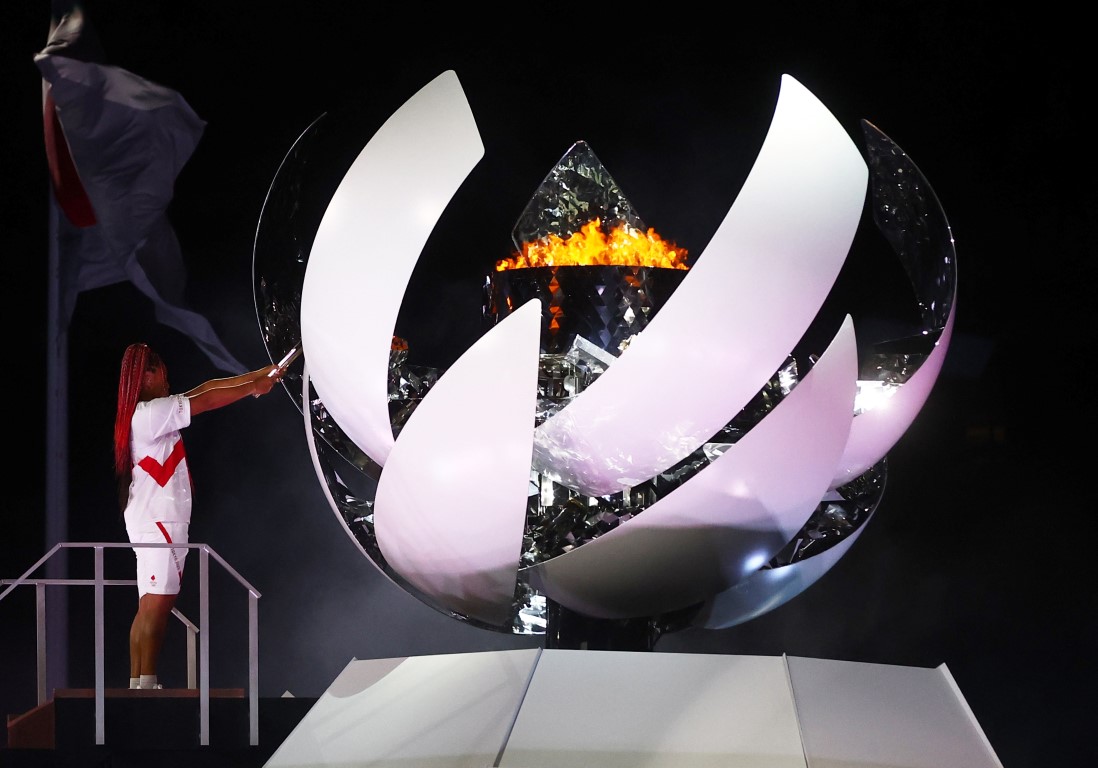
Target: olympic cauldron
<point>547,468</point>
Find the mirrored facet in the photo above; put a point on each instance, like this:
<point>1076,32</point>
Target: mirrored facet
<point>838,516</point>
<point>908,214</point>
<point>605,305</point>
<point>577,190</point>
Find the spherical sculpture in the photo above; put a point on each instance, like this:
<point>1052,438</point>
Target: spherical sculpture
<point>547,462</point>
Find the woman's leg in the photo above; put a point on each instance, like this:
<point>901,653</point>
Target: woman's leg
<point>147,633</point>
<point>150,624</point>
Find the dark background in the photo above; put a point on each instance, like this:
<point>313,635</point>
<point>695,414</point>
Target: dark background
<point>979,555</point>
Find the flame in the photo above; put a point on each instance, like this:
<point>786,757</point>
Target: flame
<point>624,246</point>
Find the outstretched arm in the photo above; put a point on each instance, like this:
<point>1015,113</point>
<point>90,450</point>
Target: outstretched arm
<point>217,393</point>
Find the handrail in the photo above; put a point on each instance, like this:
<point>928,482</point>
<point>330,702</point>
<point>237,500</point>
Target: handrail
<point>99,582</point>
<point>192,632</point>
<point>192,629</point>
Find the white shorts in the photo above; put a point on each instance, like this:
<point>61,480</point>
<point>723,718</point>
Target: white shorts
<point>159,569</point>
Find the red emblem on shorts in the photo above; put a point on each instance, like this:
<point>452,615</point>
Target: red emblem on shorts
<point>152,578</point>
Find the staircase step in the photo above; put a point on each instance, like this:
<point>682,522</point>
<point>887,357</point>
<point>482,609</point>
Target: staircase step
<point>160,719</point>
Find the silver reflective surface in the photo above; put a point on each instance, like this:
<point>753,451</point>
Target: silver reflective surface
<point>576,190</point>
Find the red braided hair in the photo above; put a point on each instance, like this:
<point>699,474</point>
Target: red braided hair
<point>137,359</point>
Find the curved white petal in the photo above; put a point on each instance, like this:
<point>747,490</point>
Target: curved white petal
<point>451,502</point>
<point>874,432</point>
<point>728,520</point>
<point>732,321</point>
<point>366,247</point>
<point>766,590</point>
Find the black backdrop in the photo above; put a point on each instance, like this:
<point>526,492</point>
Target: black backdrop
<point>977,557</point>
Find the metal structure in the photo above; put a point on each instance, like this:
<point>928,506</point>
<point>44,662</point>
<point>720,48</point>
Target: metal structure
<point>99,582</point>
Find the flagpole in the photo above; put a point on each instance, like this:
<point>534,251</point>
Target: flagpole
<point>57,464</point>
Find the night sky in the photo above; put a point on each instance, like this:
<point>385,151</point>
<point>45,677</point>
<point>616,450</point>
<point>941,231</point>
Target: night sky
<point>977,557</point>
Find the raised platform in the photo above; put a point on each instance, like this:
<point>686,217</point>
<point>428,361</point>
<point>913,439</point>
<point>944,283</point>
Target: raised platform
<point>557,708</point>
<point>143,727</point>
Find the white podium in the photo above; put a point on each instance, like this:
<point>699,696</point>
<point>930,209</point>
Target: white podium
<point>538,708</point>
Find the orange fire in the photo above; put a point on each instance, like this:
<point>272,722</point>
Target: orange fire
<point>592,247</point>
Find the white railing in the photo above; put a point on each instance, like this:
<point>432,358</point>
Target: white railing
<point>201,631</point>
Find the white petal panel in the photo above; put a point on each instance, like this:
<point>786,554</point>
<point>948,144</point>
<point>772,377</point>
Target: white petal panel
<point>732,321</point>
<point>729,519</point>
<point>450,507</point>
<point>367,245</point>
<point>874,432</point>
